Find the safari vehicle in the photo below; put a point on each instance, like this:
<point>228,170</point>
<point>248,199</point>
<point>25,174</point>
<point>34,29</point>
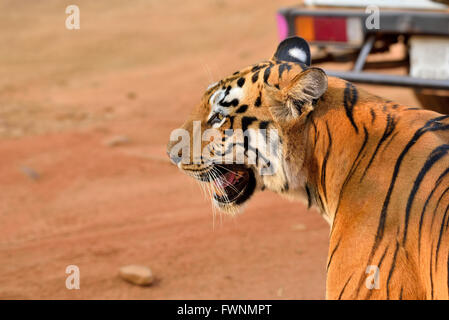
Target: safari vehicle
<point>352,30</point>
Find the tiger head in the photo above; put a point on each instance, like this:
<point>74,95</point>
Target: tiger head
<point>239,138</point>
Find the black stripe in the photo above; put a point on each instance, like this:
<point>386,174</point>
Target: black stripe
<point>448,271</point>
<point>437,206</point>
<point>431,271</point>
<point>255,77</point>
<point>344,287</point>
<point>309,199</point>
<point>439,240</point>
<point>247,147</point>
<point>315,131</point>
<point>332,254</point>
<point>350,100</point>
<point>258,67</point>
<point>447,221</point>
<point>437,184</point>
<point>390,273</point>
<point>353,168</point>
<point>246,121</point>
<point>266,74</point>
<point>436,155</point>
<point>241,82</point>
<point>389,128</point>
<point>382,257</point>
<point>231,120</point>
<point>324,164</point>
<point>263,125</point>
<point>242,108</point>
<point>233,103</point>
<point>430,126</point>
<point>258,100</point>
<point>373,116</point>
<point>390,140</point>
<point>282,68</point>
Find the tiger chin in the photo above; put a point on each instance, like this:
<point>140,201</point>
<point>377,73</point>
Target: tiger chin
<point>376,170</point>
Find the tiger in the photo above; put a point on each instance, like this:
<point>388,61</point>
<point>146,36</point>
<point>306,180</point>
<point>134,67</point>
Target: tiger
<point>376,170</point>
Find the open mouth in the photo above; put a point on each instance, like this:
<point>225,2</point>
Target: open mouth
<point>233,184</point>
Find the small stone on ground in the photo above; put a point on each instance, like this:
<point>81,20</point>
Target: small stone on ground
<point>137,274</point>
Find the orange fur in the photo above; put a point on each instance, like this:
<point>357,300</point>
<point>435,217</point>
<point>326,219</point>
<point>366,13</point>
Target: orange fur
<point>369,165</point>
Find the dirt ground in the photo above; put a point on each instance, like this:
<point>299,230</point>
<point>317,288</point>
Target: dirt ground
<point>71,196</point>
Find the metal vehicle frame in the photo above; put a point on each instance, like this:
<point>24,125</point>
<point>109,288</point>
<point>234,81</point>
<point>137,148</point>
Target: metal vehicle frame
<point>393,23</point>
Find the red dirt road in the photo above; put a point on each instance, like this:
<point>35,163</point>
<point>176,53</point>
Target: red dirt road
<point>135,69</point>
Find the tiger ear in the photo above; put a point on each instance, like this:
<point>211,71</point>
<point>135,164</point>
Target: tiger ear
<point>299,96</point>
<point>294,49</point>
